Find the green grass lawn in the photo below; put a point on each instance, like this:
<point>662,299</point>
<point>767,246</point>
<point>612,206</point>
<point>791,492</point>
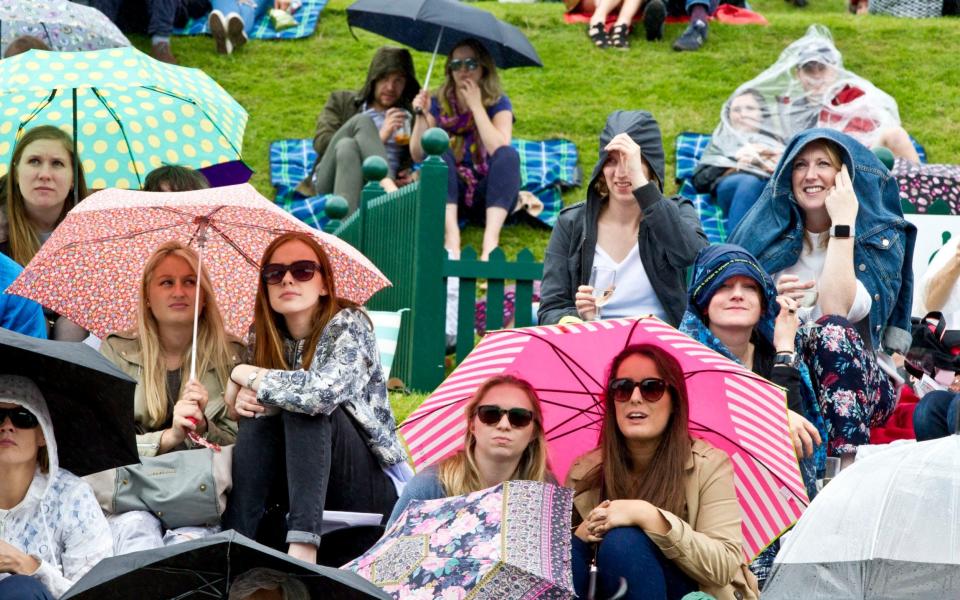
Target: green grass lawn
<point>284,85</point>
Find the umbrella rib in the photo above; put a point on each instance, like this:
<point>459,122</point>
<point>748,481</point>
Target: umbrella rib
<point>234,245</point>
<point>124,236</point>
<point>196,105</point>
<point>37,111</point>
<point>123,132</point>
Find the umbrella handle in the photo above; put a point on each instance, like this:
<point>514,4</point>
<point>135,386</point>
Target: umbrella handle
<point>592,582</point>
<point>433,59</point>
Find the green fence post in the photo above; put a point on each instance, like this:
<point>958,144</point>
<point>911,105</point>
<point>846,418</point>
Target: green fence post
<point>466,306</point>
<point>523,302</point>
<point>374,169</point>
<point>429,312</point>
<point>336,209</point>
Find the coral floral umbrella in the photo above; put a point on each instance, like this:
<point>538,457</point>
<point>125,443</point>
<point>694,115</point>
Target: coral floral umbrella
<point>90,268</point>
<point>730,407</point>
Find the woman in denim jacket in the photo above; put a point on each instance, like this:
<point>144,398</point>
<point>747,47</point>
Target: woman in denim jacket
<point>830,221</point>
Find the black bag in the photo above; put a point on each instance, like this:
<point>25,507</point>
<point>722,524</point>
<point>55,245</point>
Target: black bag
<point>933,348</point>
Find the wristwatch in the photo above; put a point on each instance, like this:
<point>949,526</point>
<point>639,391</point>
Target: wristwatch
<point>787,359</point>
<point>842,232</point>
<point>252,377</point>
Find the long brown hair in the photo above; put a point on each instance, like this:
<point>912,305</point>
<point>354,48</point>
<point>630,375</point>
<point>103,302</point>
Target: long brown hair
<point>22,234</point>
<point>490,88</point>
<point>213,348</point>
<point>459,473</point>
<point>662,483</point>
<point>269,326</point>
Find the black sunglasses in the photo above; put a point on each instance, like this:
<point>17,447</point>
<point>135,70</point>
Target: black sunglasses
<point>470,64</point>
<point>490,414</point>
<point>651,388</point>
<point>302,270</point>
<point>20,417</point>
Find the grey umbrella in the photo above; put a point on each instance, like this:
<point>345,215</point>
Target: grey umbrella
<point>206,568</point>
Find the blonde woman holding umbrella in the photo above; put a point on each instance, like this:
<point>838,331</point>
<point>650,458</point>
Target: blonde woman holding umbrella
<point>170,404</point>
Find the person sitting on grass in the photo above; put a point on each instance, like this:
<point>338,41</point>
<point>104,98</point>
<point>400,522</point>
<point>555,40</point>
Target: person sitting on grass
<point>356,125</point>
<point>654,14</point>
<point>231,22</point>
<point>504,440</point>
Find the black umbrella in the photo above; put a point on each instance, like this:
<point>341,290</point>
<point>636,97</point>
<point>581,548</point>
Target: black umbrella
<point>90,400</point>
<point>205,568</point>
<point>439,25</point>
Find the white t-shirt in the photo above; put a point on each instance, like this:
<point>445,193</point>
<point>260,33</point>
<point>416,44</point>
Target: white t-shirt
<point>810,266</point>
<point>951,308</point>
<point>633,294</point>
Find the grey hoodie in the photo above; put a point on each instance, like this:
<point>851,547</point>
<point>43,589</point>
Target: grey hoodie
<point>59,521</point>
<point>669,238</point>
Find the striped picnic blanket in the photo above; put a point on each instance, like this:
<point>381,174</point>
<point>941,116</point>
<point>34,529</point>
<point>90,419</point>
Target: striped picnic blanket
<point>547,167</point>
<point>689,148</point>
<point>307,16</point>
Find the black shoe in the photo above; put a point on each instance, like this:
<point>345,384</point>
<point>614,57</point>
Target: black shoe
<point>619,36</point>
<point>598,35</point>
<point>654,16</point>
<point>693,38</point>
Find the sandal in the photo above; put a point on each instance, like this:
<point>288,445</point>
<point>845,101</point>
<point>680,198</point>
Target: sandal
<point>598,35</point>
<point>619,35</point>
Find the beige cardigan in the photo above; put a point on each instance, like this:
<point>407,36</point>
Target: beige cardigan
<point>123,349</point>
<point>705,542</point>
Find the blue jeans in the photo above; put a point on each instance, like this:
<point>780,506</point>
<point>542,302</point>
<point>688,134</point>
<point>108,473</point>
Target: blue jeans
<point>936,415</point>
<point>627,552</point>
<point>130,15</point>
<point>248,13</point>
<point>736,194</point>
<point>23,587</point>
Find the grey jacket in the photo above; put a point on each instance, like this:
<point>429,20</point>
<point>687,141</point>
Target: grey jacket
<point>669,238</point>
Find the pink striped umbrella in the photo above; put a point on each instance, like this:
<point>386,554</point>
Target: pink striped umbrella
<point>90,268</point>
<point>730,407</point>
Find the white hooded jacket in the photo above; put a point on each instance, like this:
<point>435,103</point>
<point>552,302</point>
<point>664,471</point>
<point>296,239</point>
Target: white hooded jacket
<point>59,521</point>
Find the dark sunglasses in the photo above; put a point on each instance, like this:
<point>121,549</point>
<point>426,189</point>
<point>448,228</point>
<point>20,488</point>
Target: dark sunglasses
<point>302,270</point>
<point>20,417</point>
<point>470,64</point>
<point>490,414</point>
<point>651,389</point>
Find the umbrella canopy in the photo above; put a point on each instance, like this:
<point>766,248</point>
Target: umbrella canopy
<point>423,24</point>
<point>90,268</point>
<point>730,407</point>
<point>508,541</point>
<point>62,25</point>
<point>885,528</point>
<point>90,400</point>
<point>128,113</point>
<point>205,568</point>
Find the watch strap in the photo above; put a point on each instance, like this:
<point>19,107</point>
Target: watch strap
<point>841,231</point>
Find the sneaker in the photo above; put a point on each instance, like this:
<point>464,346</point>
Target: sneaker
<point>217,24</point>
<point>161,51</point>
<point>654,16</point>
<point>235,30</point>
<point>693,38</point>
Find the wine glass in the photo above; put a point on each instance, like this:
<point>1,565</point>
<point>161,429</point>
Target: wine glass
<point>603,280</point>
<point>808,301</point>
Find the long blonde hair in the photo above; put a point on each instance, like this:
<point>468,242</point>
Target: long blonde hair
<point>269,326</point>
<point>490,88</point>
<point>213,348</point>
<point>833,153</point>
<point>22,234</point>
<point>459,474</point>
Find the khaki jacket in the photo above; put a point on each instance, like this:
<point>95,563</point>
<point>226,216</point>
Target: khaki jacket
<point>705,542</point>
<point>123,349</point>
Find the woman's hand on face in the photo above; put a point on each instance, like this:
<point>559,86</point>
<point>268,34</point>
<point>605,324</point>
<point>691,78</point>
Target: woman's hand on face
<point>841,202</point>
<point>585,302</point>
<point>803,434</point>
<point>786,326</point>
<point>630,158</point>
<point>16,562</point>
<point>470,92</point>
<point>246,404</point>
<point>791,287</point>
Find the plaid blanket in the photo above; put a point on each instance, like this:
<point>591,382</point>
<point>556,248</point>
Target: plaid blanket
<point>547,167</point>
<point>307,16</point>
<point>688,149</point>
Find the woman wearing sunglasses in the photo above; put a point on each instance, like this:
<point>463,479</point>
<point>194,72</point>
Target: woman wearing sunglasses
<point>316,421</point>
<point>53,530</point>
<point>168,405</point>
<point>504,440</point>
<point>660,506</point>
<point>484,169</point>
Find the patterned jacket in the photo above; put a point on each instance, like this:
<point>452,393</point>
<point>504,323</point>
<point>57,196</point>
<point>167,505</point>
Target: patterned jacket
<point>346,372</point>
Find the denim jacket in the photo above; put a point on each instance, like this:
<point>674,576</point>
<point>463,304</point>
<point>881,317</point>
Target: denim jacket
<point>883,247</point>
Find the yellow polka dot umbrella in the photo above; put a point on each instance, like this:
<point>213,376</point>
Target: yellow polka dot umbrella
<point>127,112</point>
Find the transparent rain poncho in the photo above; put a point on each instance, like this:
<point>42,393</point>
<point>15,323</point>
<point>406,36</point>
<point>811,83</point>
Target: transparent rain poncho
<point>807,87</point>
